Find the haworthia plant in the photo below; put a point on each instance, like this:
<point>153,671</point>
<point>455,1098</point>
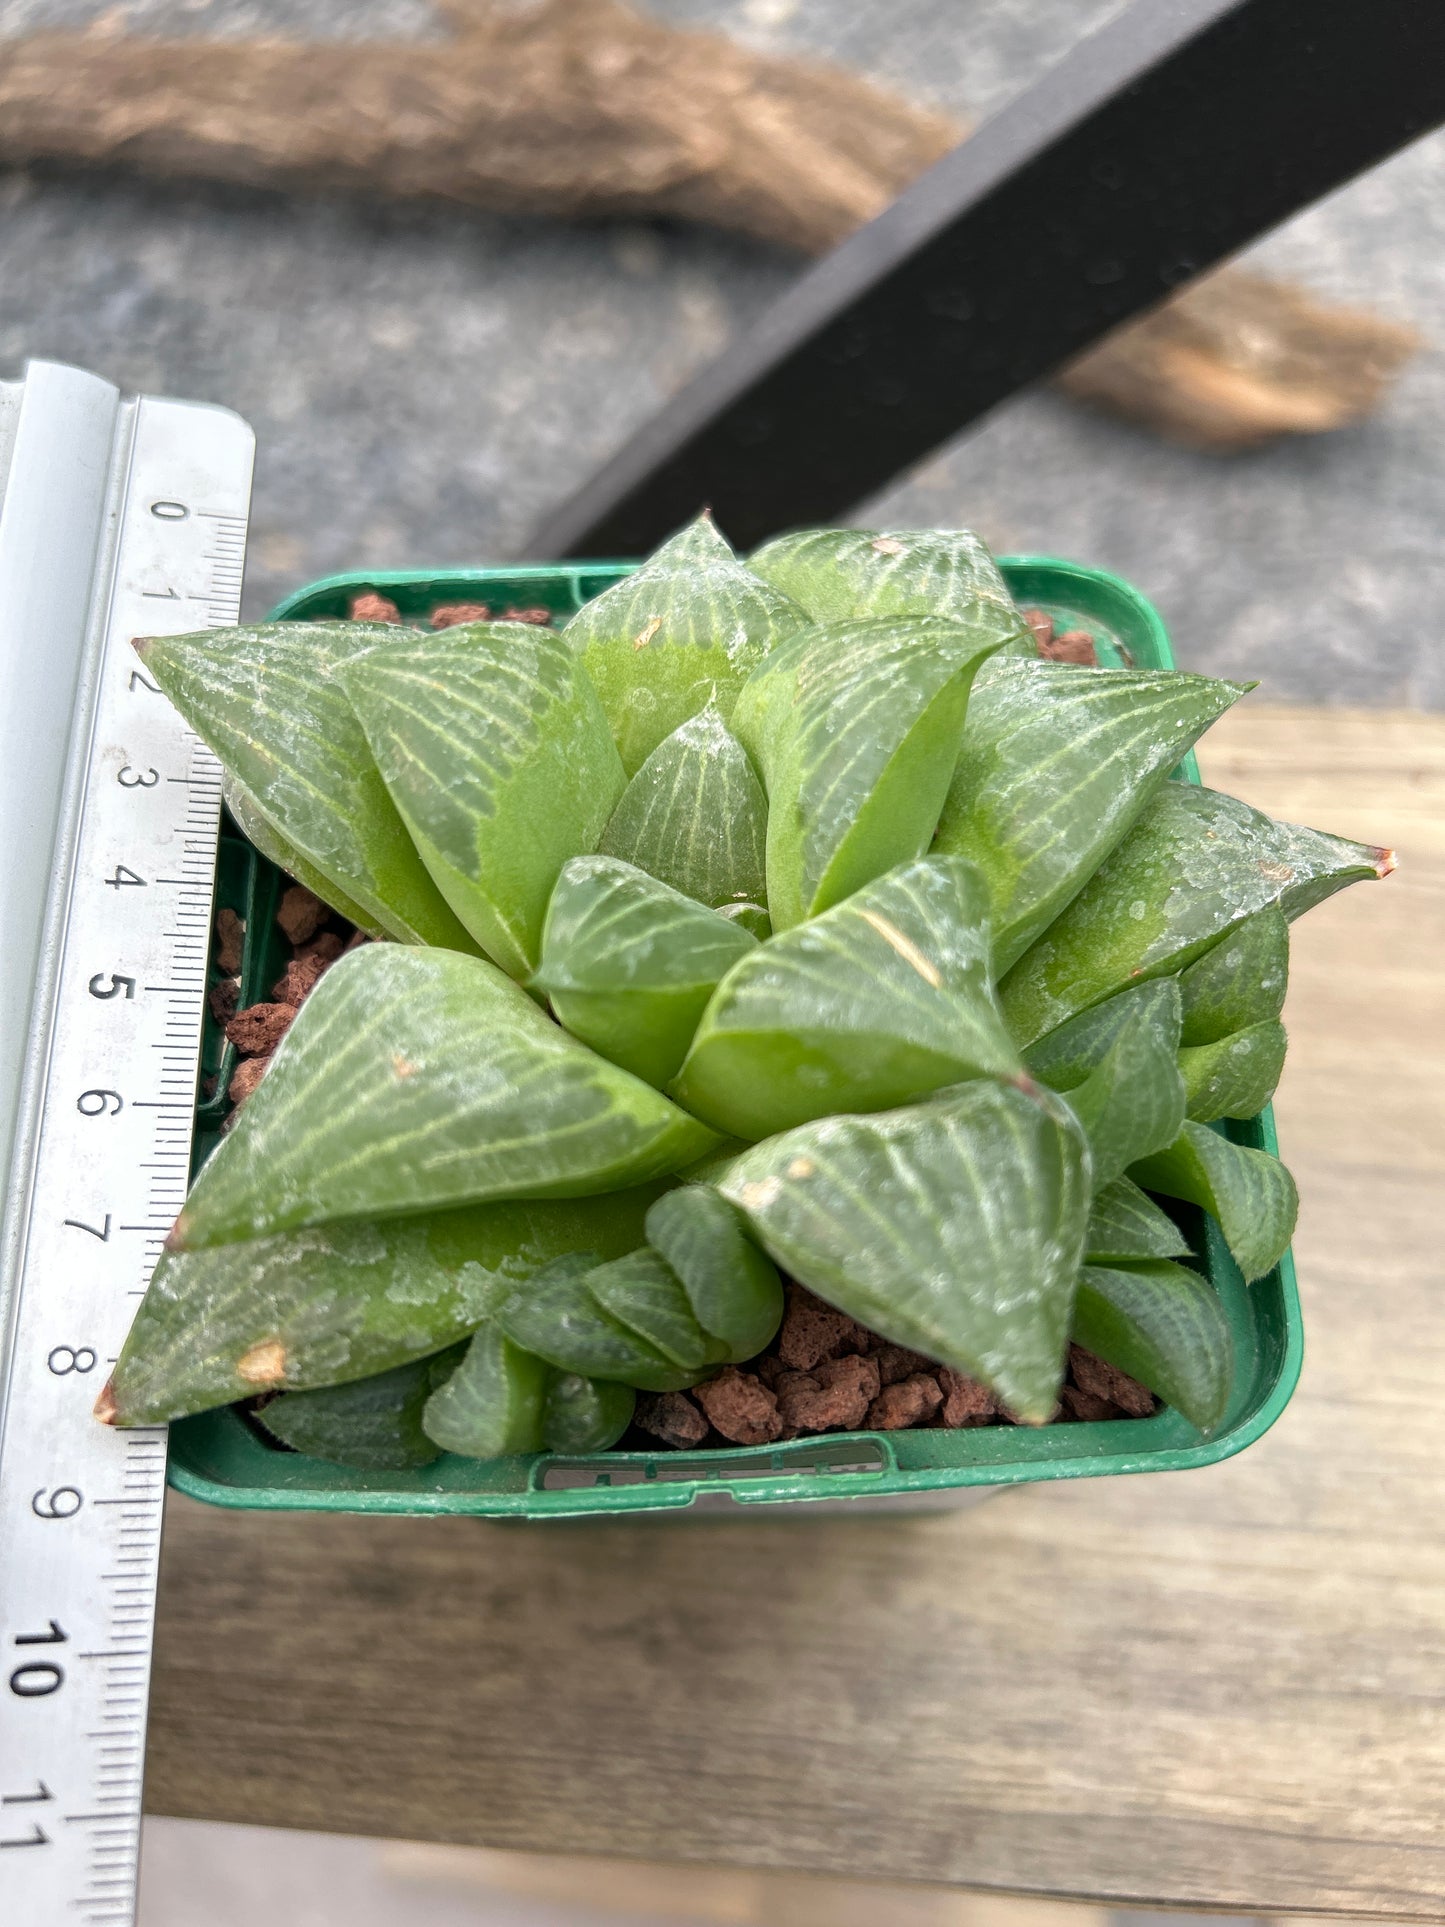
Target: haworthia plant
<point>644,1293</point>
<point>258,830</point>
<point>270,703</point>
<point>732,1287</point>
<point>1236,1075</point>
<point>585,1414</point>
<point>751,917</point>
<point>1240,982</point>
<point>1196,865</point>
<point>882,999</point>
<point>839,575</point>
<point>1071,1053</point>
<point>856,733</point>
<point>629,963</point>
<point>920,923</point>
<point>955,1227</point>
<point>1133,1103</point>
<point>1162,1324</point>
<point>492,1405</point>
<point>423,1079</point>
<point>695,816</point>
<point>1126,1224</point>
<point>371,1424</point>
<point>338,1302</point>
<point>1251,1193</point>
<point>566,1316</point>
<point>686,630</point>
<point>493,745</point>
<point>1057,765</point>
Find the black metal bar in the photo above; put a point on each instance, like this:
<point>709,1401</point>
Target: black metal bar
<point>1157,147</point>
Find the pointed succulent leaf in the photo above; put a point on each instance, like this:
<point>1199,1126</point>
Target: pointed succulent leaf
<point>629,963</point>
<point>371,1424</point>
<point>856,732</point>
<point>880,1000</point>
<point>1164,1325</point>
<point>733,1287</point>
<point>695,816</point>
<point>258,829</point>
<point>412,1080</point>
<point>491,1407</point>
<point>557,1316</point>
<point>343,1301</point>
<point>585,1414</point>
<point>684,631</point>
<point>1250,1192</point>
<point>1235,1076</point>
<point>839,575</point>
<point>644,1293</point>
<point>493,745</point>
<point>1057,765</point>
<point>269,701</point>
<point>1125,1224</point>
<point>1239,982</point>
<point>954,1227</point>
<point>1133,1103</point>
<point>1193,868</point>
<point>1076,1049</point>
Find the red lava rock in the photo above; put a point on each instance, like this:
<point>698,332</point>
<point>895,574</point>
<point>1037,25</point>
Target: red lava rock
<point>230,937</point>
<point>770,1370</point>
<point>223,999</point>
<point>671,1417</point>
<point>741,1407</point>
<point>327,947</point>
<point>833,1398</point>
<point>1105,1381</point>
<point>896,1362</point>
<point>371,607</point>
<point>910,1402</point>
<point>300,913</point>
<point>356,939</point>
<point>812,1331</point>
<point>965,1401</point>
<point>450,615</point>
<point>248,1075</point>
<point>1087,1405</point>
<point>298,980</point>
<point>541,617</point>
<point>257,1030</point>
<point>1074,645</point>
<point>1042,626</point>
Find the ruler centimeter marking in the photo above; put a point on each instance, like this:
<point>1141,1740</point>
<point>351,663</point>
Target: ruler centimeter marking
<point>111,1094</point>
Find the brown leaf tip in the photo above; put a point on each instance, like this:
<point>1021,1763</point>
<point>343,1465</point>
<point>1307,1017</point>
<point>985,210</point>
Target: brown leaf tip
<point>106,1409</point>
<point>143,645</point>
<point>1385,861</point>
<point>264,1364</point>
<point>176,1236</point>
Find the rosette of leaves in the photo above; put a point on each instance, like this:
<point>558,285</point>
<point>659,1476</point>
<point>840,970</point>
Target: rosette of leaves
<point>775,916</point>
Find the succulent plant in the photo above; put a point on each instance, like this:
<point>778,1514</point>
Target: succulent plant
<point>774,914</point>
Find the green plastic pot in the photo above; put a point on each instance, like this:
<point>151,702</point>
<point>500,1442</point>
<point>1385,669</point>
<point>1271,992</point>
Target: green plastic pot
<point>221,1459</point>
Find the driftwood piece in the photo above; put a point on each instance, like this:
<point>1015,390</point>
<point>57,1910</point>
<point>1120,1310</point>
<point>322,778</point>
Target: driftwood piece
<point>571,108</point>
<point>584,108</point>
<point>1239,360</point>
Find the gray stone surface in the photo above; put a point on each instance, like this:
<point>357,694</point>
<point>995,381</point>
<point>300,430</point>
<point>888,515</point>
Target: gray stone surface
<point>425,382</point>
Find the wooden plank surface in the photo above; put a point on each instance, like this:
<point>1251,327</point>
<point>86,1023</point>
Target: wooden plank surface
<point>1222,1688</point>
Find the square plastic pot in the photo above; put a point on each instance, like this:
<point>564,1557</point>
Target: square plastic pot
<point>219,1458</point>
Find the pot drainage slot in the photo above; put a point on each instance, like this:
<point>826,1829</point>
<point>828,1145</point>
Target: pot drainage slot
<point>854,1456</point>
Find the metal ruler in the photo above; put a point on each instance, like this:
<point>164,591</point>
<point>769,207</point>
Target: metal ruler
<point>117,518</point>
